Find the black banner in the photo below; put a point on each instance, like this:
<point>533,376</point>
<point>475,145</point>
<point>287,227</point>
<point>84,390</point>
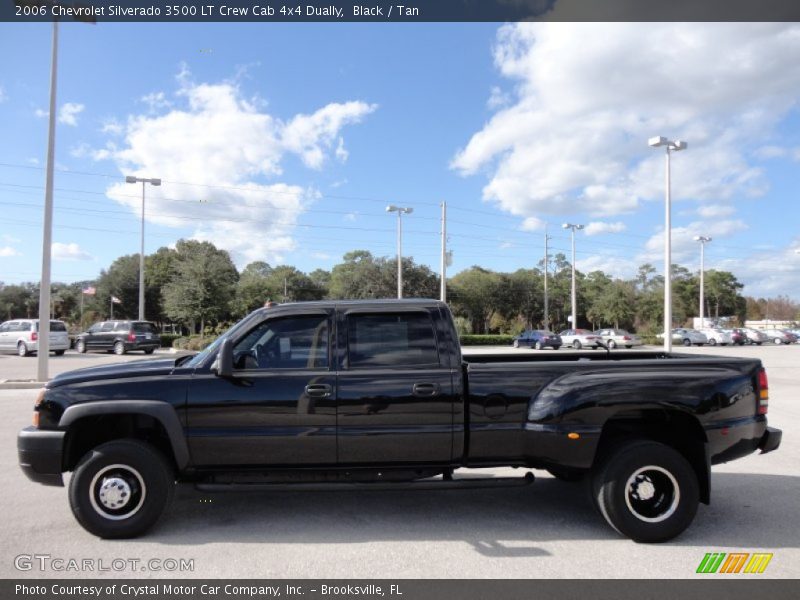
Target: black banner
<point>397,11</point>
<point>400,589</point>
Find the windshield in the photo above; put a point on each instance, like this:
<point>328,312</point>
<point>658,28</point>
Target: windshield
<point>199,358</point>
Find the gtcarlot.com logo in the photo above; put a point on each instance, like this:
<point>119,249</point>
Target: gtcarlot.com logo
<point>47,562</point>
<point>734,562</point>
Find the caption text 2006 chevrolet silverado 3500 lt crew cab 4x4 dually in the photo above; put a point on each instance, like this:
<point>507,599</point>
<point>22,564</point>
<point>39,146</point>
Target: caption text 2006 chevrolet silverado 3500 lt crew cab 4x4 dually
<point>375,393</point>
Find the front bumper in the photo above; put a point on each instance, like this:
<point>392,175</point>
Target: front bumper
<point>40,453</point>
<point>770,440</point>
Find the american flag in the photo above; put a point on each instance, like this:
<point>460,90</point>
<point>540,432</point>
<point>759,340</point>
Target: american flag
<point>89,291</point>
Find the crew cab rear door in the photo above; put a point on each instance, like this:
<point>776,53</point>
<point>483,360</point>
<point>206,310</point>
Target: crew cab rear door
<point>395,394</point>
<point>279,408</point>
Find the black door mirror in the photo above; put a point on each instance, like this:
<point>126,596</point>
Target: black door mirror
<point>223,366</point>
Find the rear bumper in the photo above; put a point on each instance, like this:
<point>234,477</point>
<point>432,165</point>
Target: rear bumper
<point>770,440</point>
<point>40,453</point>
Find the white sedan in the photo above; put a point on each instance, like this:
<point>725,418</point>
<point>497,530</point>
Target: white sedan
<point>687,337</point>
<point>717,336</point>
<point>578,338</point>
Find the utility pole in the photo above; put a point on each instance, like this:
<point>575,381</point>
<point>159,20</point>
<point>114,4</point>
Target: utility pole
<point>574,318</point>
<point>443,270</point>
<point>285,290</point>
<point>546,269</point>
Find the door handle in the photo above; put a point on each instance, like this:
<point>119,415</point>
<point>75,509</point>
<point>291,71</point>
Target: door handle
<point>318,390</point>
<point>425,390</point>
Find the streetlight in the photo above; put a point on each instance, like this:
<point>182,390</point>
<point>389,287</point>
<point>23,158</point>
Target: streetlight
<point>669,145</point>
<point>703,241</point>
<point>400,212</point>
<point>573,227</point>
<point>156,182</point>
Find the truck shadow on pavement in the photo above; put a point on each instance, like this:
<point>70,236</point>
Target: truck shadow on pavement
<point>747,511</point>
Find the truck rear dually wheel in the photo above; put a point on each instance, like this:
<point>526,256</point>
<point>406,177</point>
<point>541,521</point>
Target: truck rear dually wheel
<point>647,491</point>
<point>119,489</point>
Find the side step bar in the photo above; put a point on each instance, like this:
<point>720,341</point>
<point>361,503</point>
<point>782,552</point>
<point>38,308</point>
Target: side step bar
<point>436,484</point>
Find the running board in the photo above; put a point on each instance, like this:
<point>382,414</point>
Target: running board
<point>438,484</point>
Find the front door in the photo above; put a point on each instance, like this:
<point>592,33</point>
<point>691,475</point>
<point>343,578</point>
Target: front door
<point>279,408</point>
<point>395,393</point>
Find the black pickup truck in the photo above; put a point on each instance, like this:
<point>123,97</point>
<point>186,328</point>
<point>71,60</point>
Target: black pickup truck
<point>375,393</point>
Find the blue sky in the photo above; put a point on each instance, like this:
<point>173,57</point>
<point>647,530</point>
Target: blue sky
<point>285,142</point>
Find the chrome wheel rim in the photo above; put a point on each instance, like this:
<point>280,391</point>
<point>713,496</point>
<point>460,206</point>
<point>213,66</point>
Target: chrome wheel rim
<point>652,494</point>
<point>117,492</point>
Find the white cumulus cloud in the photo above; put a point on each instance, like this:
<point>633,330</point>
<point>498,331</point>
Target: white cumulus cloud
<point>70,251</point>
<point>715,211</point>
<point>599,227</point>
<point>589,95</point>
<point>218,154</point>
<point>6,251</point>
<point>68,113</point>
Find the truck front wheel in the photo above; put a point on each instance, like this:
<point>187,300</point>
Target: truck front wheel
<point>119,489</point>
<point>646,491</point>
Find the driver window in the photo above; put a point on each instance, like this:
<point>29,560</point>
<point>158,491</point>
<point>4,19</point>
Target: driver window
<point>289,343</point>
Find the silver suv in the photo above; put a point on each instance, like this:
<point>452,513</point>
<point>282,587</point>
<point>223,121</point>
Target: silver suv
<point>22,336</point>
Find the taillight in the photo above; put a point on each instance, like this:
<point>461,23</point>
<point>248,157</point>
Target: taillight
<point>763,392</point>
<point>626,337</point>
<point>131,337</point>
<point>34,336</point>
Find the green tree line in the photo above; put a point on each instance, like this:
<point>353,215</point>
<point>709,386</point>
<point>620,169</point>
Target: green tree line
<point>197,285</point>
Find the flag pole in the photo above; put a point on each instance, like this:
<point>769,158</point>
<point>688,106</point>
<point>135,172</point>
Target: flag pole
<point>111,304</point>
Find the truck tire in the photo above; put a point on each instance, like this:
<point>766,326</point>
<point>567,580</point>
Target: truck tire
<point>647,491</point>
<point>120,489</point>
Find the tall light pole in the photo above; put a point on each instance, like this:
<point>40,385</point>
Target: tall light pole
<point>443,270</point>
<point>573,227</point>
<point>703,241</point>
<point>43,344</point>
<point>144,181</point>
<point>546,269</point>
<point>400,212</point>
<point>669,145</point>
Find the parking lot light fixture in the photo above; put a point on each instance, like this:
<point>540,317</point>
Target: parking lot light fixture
<point>400,212</point>
<point>573,227</point>
<point>703,241</point>
<point>155,182</point>
<point>670,146</point>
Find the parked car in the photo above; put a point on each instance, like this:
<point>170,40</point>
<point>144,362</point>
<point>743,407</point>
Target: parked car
<point>754,336</point>
<point>645,429</point>
<point>619,337</point>
<point>687,337</point>
<point>781,336</point>
<point>578,338</point>
<point>715,336</point>
<point>22,336</point>
<point>119,337</point>
<point>539,339</point>
<point>738,336</point>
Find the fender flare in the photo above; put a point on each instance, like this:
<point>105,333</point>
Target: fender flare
<point>161,411</point>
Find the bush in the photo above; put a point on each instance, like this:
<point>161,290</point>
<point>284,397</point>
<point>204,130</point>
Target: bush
<point>194,342</point>
<point>486,340</point>
<point>167,339</point>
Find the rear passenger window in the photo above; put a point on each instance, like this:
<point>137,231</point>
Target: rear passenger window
<point>57,326</point>
<point>144,328</point>
<point>107,326</point>
<point>390,340</point>
<point>24,327</point>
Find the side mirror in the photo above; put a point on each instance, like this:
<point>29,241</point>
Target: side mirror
<point>223,366</point>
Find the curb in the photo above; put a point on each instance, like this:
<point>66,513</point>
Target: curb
<point>21,385</point>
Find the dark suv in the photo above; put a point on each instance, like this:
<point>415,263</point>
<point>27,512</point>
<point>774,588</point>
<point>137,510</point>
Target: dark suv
<point>119,337</point>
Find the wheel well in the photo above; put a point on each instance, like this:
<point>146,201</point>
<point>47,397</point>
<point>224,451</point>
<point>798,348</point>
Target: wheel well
<point>89,432</point>
<point>673,428</point>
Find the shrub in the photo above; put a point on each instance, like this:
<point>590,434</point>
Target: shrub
<point>486,340</point>
<point>167,339</point>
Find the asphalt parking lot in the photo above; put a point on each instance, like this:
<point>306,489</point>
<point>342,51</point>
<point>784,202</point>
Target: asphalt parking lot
<point>547,530</point>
